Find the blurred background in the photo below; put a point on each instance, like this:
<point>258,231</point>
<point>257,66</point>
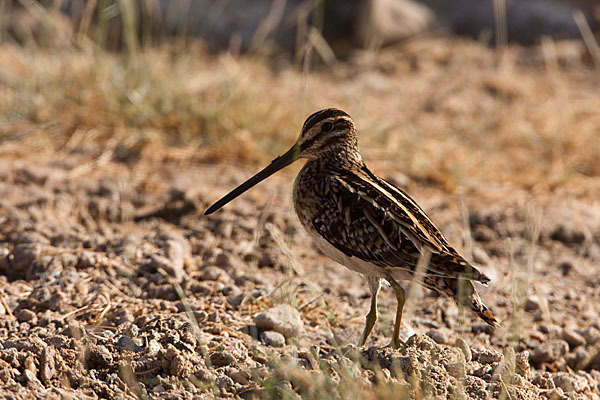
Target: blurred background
<point>490,75</point>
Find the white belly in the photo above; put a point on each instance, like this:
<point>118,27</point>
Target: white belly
<point>356,264</point>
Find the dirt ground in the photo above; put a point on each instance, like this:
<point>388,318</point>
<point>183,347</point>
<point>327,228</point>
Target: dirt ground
<point>113,284</point>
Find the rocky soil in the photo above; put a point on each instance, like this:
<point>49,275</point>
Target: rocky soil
<point>114,285</point>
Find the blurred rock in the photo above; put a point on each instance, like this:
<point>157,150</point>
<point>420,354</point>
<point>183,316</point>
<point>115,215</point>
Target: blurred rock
<point>549,351</point>
<point>522,364</point>
<point>231,291</point>
<point>480,257</point>
<point>173,209</point>
<point>441,336</point>
<point>569,382</point>
<point>594,363</point>
<point>224,260</point>
<point>533,303</point>
<point>485,356</point>
<point>566,267</point>
<point>456,369</point>
<point>284,319</point>
<point>380,22</point>
<point>176,251</point>
<point>478,327</point>
<point>99,356</point>
<point>239,376</point>
<point>569,235</point>
<point>23,255</point>
<point>273,339</point>
<point>212,273</point>
<point>50,29</point>
<point>573,338</point>
<point>25,315</point>
<point>578,359</point>
<point>128,344</point>
<point>226,384</point>
<point>544,380</point>
<point>591,335</point>
<point>221,358</point>
<point>527,20</point>
<point>464,347</point>
<point>48,364</point>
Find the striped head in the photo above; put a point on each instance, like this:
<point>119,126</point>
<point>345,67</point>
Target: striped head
<point>325,134</point>
<point>326,131</point>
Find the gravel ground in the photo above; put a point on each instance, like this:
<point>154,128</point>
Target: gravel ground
<point>114,285</point>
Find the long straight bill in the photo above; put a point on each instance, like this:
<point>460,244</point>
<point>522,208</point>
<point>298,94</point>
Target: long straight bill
<point>279,163</point>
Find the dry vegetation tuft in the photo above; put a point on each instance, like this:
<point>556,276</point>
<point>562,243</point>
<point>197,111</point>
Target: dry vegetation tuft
<point>444,110</point>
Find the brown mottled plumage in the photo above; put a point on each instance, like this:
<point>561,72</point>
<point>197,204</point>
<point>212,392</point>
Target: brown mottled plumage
<point>366,223</point>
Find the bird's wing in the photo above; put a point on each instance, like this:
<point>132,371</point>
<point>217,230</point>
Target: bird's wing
<point>366,217</point>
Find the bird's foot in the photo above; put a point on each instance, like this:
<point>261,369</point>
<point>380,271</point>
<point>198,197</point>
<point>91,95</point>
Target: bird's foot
<point>397,343</point>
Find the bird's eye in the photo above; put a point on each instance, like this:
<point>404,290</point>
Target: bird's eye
<point>326,127</point>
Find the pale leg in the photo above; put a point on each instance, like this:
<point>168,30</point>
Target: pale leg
<point>374,286</point>
<point>401,298</point>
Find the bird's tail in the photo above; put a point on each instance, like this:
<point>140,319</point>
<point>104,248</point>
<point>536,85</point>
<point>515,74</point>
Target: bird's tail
<point>463,292</point>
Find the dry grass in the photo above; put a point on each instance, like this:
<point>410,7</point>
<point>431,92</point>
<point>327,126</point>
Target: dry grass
<point>447,111</point>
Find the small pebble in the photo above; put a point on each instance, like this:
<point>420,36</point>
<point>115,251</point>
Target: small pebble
<point>532,303</point>
<point>125,343</point>
<point>239,376</point>
<point>439,335</point>
<point>131,330</point>
<point>522,364</point>
<point>273,339</point>
<point>549,351</point>
<point>153,348</point>
<point>569,382</point>
<point>283,318</point>
<point>223,260</point>
<point>573,338</point>
<point>32,379</point>
<point>25,315</point>
<point>480,257</point>
<point>456,369</point>
<point>101,356</point>
<point>464,347</point>
<point>591,335</point>
<point>213,273</point>
<point>225,383</point>
<point>180,366</point>
<point>579,359</point>
<point>565,267</point>
<point>221,359</point>
<point>482,327</point>
<point>486,356</point>
<point>48,364</point>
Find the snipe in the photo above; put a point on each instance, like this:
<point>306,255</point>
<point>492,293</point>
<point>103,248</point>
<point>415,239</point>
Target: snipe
<point>365,223</point>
